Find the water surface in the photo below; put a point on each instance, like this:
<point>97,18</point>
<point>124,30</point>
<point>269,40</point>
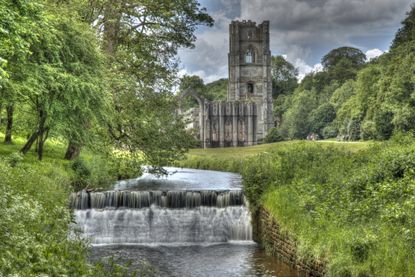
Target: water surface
<point>187,223</point>
<point>183,179</point>
<point>216,260</point>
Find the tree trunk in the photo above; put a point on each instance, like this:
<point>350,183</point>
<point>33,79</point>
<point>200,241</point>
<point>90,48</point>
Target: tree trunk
<point>43,134</point>
<point>29,143</point>
<point>1,118</point>
<point>73,151</point>
<point>40,142</point>
<point>112,17</point>
<point>9,126</point>
<point>40,134</point>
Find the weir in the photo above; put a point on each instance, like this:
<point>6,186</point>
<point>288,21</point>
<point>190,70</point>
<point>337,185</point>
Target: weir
<point>163,215</point>
<point>188,223</point>
<point>165,199</point>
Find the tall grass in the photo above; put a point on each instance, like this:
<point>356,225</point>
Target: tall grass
<point>34,216</point>
<point>353,208</point>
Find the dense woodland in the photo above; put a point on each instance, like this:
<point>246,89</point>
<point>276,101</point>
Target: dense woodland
<point>95,73</point>
<point>352,98</point>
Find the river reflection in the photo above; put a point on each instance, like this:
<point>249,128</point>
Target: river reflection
<point>229,259</point>
<point>183,179</point>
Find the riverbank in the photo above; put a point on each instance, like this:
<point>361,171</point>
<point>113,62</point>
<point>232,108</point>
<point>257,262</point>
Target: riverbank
<point>349,205</point>
<point>34,214</point>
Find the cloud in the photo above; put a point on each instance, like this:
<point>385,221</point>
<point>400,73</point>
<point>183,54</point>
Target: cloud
<point>373,53</point>
<point>305,69</point>
<point>303,30</point>
<point>209,58</point>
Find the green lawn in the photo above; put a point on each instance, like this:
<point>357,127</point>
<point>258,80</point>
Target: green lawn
<point>350,204</point>
<point>53,152</point>
<point>248,151</point>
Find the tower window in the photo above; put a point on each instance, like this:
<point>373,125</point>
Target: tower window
<point>250,88</point>
<point>249,56</point>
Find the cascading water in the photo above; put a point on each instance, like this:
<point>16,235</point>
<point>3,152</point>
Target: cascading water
<point>189,223</point>
<point>162,217</point>
<point>166,215</point>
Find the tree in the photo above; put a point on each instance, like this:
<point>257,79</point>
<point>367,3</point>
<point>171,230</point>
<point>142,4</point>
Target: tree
<point>140,39</point>
<point>407,32</point>
<point>16,24</point>
<point>284,76</point>
<point>343,63</point>
<point>217,90</point>
<point>62,82</point>
<point>321,117</point>
<point>296,123</point>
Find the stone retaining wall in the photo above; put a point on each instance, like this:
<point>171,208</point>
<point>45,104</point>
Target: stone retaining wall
<point>267,233</point>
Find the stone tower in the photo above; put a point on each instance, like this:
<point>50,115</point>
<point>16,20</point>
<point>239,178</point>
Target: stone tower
<point>246,116</point>
<point>249,62</point>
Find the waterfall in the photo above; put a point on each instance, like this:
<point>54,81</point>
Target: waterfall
<point>166,199</point>
<point>148,217</point>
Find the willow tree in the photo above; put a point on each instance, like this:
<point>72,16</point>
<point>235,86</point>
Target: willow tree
<point>140,40</point>
<point>62,83</point>
<point>16,20</point>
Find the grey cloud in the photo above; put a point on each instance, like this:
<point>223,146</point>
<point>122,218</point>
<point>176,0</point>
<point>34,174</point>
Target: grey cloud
<point>302,29</point>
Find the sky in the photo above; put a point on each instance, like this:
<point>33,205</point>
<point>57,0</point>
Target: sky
<point>303,31</point>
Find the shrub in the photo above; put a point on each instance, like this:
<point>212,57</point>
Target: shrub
<point>81,174</point>
<point>273,135</point>
<point>329,131</point>
<point>15,158</point>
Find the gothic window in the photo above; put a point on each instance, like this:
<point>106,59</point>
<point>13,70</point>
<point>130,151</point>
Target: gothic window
<point>249,56</point>
<point>250,35</point>
<point>250,88</point>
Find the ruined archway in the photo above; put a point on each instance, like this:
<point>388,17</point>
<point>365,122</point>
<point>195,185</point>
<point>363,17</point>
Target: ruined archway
<point>191,92</point>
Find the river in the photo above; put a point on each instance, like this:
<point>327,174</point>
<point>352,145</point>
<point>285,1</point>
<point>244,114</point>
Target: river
<point>188,223</point>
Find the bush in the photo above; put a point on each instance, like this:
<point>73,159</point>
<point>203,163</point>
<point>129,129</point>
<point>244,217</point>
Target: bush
<point>15,158</point>
<point>34,225</point>
<point>273,135</point>
<point>368,130</point>
<point>81,174</point>
<point>329,131</point>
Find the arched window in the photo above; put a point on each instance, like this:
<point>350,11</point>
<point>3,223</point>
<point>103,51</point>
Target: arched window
<point>250,88</point>
<point>249,56</point>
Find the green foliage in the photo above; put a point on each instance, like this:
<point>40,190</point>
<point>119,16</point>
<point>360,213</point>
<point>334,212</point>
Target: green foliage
<point>284,76</point>
<point>352,209</point>
<point>82,173</point>
<point>295,123</point>
<point>14,159</point>
<point>330,131</point>
<point>273,135</point>
<point>34,218</point>
<point>34,224</point>
<point>322,117</point>
<point>342,63</point>
<point>124,165</point>
<point>346,209</point>
<point>217,90</point>
<point>406,33</point>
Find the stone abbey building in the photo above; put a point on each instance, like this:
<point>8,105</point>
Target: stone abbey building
<point>246,116</point>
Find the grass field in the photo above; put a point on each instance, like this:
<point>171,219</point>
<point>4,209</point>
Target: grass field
<point>53,151</point>
<point>350,204</point>
<point>232,158</point>
<point>248,151</point>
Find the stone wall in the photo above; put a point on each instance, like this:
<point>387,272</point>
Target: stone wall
<point>268,234</point>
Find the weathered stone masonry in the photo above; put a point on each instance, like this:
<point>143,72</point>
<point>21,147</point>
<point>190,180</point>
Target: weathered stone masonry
<point>269,235</point>
<point>246,116</point>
